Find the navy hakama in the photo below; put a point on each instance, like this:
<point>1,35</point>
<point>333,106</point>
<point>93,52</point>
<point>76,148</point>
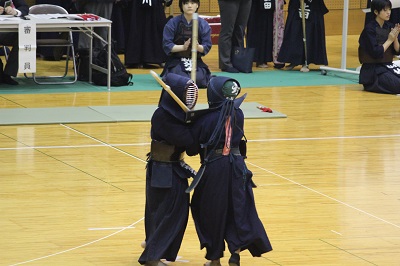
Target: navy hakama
<point>260,32</point>
<point>167,203</point>
<point>223,205</point>
<point>292,49</point>
<point>144,34</point>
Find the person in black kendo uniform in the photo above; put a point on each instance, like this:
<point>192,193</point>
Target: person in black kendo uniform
<point>223,206</point>
<point>167,203</point>
<point>177,44</point>
<point>378,44</point>
<point>292,49</point>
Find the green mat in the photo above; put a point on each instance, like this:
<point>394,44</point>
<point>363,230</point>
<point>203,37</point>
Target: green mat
<point>96,114</point>
<point>145,82</point>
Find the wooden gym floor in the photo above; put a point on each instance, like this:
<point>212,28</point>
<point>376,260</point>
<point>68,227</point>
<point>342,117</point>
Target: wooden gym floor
<point>327,175</point>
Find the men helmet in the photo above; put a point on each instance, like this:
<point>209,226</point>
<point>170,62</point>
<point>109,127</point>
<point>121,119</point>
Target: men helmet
<point>185,89</point>
<point>221,89</point>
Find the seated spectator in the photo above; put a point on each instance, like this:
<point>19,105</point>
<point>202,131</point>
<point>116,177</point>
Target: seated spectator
<point>178,46</point>
<point>18,8</point>
<point>378,44</point>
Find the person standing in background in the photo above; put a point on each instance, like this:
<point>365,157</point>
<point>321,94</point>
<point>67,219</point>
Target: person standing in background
<point>120,20</point>
<point>260,31</point>
<point>18,8</point>
<point>102,8</point>
<point>292,49</point>
<point>234,17</point>
<point>278,32</point>
<point>143,47</point>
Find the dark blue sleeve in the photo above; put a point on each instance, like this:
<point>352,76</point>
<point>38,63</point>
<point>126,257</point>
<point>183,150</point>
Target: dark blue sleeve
<point>238,131</point>
<point>201,131</point>
<point>203,128</point>
<point>165,127</point>
<point>168,35</point>
<point>196,131</point>
<point>205,35</point>
<point>368,41</point>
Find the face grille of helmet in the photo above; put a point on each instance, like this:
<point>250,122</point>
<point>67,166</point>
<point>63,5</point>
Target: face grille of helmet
<point>192,93</point>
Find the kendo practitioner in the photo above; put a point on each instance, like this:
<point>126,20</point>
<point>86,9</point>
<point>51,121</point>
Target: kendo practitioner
<point>144,30</point>
<point>260,29</point>
<point>378,44</point>
<point>177,43</point>
<point>223,206</point>
<point>120,19</point>
<point>394,16</point>
<point>292,49</point>
<point>167,203</point>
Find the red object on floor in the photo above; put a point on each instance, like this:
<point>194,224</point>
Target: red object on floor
<point>265,109</point>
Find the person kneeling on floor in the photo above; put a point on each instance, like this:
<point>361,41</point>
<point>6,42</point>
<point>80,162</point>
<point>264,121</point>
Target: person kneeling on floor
<point>379,44</point>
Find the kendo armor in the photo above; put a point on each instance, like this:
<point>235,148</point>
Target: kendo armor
<point>183,33</point>
<point>221,89</point>
<point>185,89</point>
<point>381,36</point>
<point>222,94</point>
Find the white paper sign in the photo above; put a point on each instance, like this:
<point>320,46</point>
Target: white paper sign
<point>27,47</point>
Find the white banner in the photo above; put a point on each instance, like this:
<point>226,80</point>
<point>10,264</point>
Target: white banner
<point>27,47</point>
